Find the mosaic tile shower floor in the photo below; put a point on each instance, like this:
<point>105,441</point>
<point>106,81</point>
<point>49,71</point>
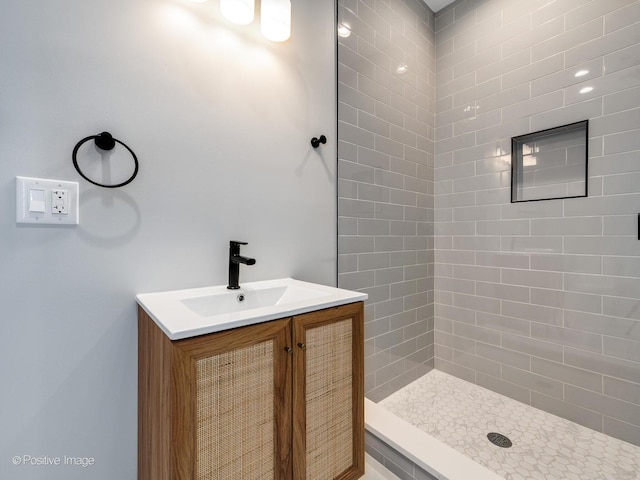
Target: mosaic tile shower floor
<point>545,447</point>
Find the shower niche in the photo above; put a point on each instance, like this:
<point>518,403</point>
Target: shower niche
<point>550,164</point>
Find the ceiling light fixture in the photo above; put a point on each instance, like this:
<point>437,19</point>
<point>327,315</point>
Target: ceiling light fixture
<point>275,16</point>
<point>239,12</point>
<point>275,19</point>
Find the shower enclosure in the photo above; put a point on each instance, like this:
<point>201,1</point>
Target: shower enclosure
<point>538,301</point>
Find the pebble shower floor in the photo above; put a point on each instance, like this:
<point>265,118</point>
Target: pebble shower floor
<point>545,447</point>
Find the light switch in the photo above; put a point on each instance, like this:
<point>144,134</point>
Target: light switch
<point>46,202</point>
<point>36,200</point>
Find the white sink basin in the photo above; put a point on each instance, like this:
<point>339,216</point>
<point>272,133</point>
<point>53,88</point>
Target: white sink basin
<point>187,313</point>
<point>248,298</point>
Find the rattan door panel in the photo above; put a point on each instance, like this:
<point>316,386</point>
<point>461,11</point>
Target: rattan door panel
<point>235,421</point>
<point>328,394</point>
<point>227,401</point>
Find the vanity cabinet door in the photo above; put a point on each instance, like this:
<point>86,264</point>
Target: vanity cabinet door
<point>237,391</point>
<point>224,411</point>
<point>328,395</point>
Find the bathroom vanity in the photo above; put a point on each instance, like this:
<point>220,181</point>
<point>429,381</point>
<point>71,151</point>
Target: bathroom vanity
<point>275,398</point>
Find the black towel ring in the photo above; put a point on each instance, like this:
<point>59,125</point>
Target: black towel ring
<point>104,141</point>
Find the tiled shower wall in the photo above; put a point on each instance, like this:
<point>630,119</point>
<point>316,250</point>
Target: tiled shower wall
<point>386,94</point>
<point>540,301</point>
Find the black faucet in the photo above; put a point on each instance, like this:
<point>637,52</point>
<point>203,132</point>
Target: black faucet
<point>235,259</point>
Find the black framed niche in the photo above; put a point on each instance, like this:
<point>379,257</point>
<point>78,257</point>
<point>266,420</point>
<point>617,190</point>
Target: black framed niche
<point>550,164</point>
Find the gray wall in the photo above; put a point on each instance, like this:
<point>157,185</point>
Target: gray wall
<point>221,121</point>
<point>385,190</point>
<point>540,301</point>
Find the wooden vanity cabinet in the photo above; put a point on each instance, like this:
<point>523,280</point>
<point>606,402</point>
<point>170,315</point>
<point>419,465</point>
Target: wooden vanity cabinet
<point>280,400</point>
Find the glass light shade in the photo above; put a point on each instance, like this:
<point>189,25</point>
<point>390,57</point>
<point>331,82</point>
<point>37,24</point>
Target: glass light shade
<point>238,11</point>
<point>275,19</point>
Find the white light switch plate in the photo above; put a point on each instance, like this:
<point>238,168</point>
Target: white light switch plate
<point>60,201</point>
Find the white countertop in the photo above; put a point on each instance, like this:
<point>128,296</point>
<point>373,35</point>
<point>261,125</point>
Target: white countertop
<point>198,311</point>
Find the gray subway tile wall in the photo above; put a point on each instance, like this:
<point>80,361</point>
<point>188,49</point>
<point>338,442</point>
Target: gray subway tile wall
<point>539,301</point>
<point>398,464</point>
<point>385,168</point>
<point>554,310</point>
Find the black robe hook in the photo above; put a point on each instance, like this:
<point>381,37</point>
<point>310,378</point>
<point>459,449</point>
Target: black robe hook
<point>315,142</point>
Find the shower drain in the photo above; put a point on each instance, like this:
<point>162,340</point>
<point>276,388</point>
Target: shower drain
<point>499,440</point>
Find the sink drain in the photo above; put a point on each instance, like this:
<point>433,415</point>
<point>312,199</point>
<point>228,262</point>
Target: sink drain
<point>499,440</point>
